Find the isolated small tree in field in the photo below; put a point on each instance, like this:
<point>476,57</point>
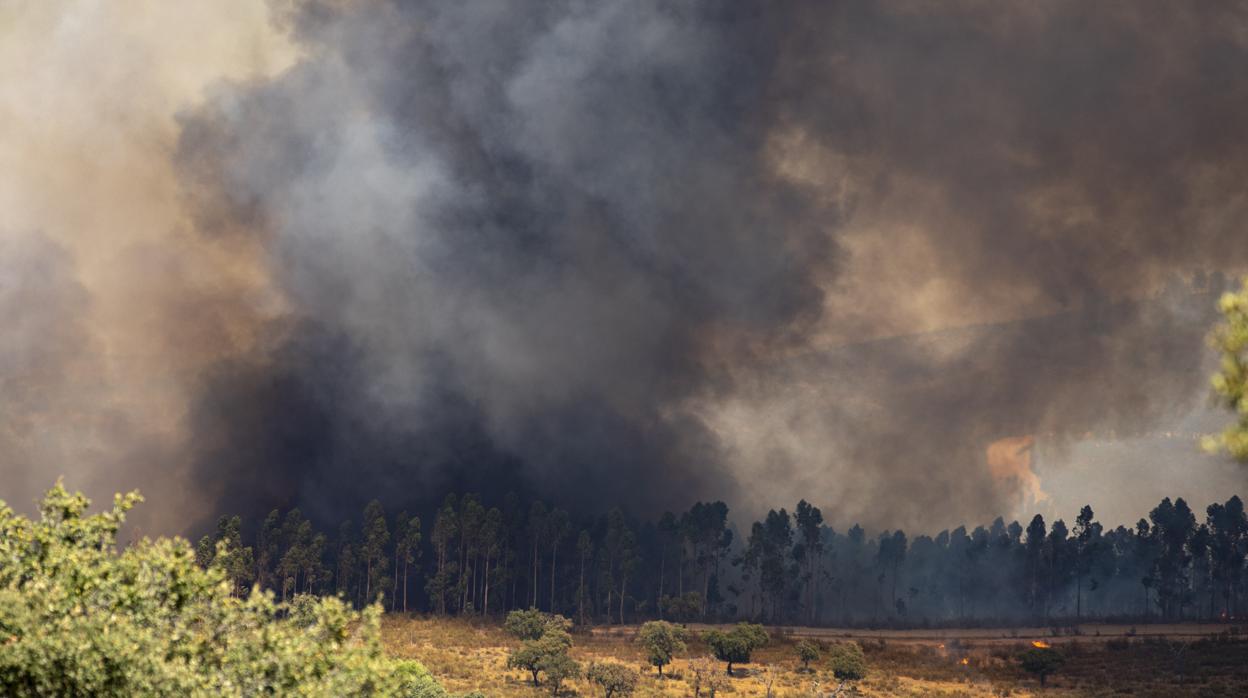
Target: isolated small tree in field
<point>736,645</point>
<point>558,667</point>
<point>847,663</point>
<point>545,645</point>
<point>1042,661</point>
<point>615,679</point>
<point>807,652</point>
<point>1230,338</point>
<point>661,640</point>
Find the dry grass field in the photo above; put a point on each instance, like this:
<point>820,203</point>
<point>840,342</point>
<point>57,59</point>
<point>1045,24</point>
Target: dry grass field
<point>1175,660</point>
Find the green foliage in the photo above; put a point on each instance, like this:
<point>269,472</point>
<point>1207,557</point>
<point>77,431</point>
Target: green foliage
<point>807,652</point>
<point>662,640</point>
<point>558,667</point>
<point>547,654</point>
<point>531,624</point>
<point>1042,661</point>
<point>615,679</point>
<point>80,617</point>
<point>847,661</point>
<point>685,607</point>
<point>736,645</point>
<point>1230,338</point>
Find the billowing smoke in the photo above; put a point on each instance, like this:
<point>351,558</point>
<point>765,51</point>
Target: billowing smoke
<point>644,253</point>
<point>519,240</point>
<point>551,246</point>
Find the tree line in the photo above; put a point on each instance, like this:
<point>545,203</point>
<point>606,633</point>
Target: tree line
<point>481,558</point>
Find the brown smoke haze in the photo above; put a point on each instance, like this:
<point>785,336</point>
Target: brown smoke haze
<point>910,261</point>
<point>111,302</point>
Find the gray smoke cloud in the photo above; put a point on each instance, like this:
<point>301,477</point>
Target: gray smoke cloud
<point>517,240</point>
<point>644,253</point>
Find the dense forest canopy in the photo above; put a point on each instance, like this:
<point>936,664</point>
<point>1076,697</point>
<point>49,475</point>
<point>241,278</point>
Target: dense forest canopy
<point>486,558</point>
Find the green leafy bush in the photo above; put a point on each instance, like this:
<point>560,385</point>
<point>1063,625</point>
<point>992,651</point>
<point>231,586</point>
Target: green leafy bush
<point>1042,661</point>
<point>847,661</point>
<point>661,640</point>
<point>1230,383</point>
<point>558,667</point>
<point>615,679</point>
<point>547,654</point>
<point>531,624</point>
<point>80,617</point>
<point>736,645</point>
<point>807,652</point>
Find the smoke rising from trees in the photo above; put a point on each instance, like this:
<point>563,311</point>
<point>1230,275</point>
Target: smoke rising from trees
<point>643,254</point>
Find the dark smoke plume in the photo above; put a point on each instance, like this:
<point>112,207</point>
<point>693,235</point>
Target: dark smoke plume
<point>648,252</point>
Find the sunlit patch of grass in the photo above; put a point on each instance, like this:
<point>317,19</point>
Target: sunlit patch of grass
<point>472,656</point>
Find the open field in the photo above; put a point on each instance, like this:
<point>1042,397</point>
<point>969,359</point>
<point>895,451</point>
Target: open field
<point>1161,660</point>
<point>1088,632</point>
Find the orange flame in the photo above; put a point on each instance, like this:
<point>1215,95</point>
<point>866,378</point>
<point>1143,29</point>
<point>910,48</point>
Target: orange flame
<point>965,661</point>
<point>1041,644</point>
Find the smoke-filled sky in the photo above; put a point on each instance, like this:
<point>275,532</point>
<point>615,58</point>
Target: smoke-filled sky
<point>919,263</point>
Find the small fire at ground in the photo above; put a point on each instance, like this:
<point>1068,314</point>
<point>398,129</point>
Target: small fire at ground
<point>1041,644</point>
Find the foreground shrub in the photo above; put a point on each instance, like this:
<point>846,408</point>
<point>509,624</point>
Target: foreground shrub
<point>79,617</point>
<point>615,679</point>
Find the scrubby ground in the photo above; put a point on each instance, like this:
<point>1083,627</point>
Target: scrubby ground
<point>1100,661</point>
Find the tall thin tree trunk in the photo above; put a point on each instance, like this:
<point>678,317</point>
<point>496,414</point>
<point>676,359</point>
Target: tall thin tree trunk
<point>659,598</point>
<point>536,560</point>
<point>580,593</point>
<point>554,552</point>
<point>485,602</point>
<point>515,581</point>
<point>1078,597</point>
<point>623,585</point>
<point>706,590</point>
